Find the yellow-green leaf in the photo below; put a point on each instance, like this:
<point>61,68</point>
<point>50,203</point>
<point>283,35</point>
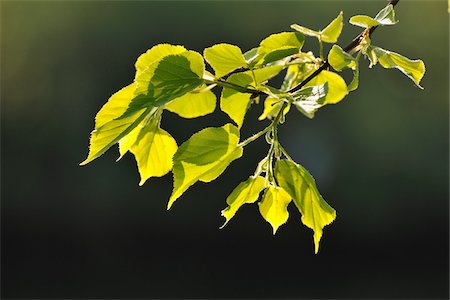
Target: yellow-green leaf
<point>153,56</point>
<point>339,59</point>
<point>273,206</point>
<point>224,58</point>
<point>203,157</point>
<point>331,33</point>
<point>414,69</point>
<point>233,102</point>
<point>172,77</point>
<point>337,89</point>
<point>386,16</point>
<point>283,39</point>
<point>153,150</point>
<point>300,185</point>
<point>193,104</point>
<point>363,21</point>
<point>305,31</point>
<point>280,45</point>
<point>296,74</point>
<point>246,192</point>
<point>108,128</point>
<point>272,107</point>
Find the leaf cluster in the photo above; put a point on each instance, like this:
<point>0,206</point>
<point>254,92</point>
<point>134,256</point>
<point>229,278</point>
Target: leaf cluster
<point>173,78</point>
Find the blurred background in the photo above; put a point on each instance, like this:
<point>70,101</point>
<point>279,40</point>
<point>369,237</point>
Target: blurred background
<point>380,158</point>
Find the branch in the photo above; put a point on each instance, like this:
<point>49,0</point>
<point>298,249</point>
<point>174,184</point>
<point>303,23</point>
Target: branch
<point>355,43</point>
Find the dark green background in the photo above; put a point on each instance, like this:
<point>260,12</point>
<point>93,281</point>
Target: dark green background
<point>380,158</point>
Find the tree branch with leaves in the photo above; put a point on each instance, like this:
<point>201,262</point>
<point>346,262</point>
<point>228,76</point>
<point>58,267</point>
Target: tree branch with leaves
<point>172,78</point>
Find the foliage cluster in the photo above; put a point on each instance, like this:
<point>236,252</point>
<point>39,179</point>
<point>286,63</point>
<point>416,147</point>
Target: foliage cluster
<point>172,78</point>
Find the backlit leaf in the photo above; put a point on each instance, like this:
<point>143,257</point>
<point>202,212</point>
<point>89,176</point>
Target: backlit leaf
<point>337,89</point>
<point>172,77</point>
<point>153,150</point>
<point>339,59</point>
<point>309,99</point>
<point>272,107</point>
<point>283,39</point>
<point>151,58</point>
<point>246,192</point>
<point>306,31</point>
<point>193,104</point>
<point>273,206</point>
<point>203,157</point>
<point>386,16</point>
<point>233,102</point>
<point>363,21</point>
<point>300,185</point>
<point>280,45</point>
<point>108,128</point>
<point>414,69</point>
<point>331,33</point>
<point>224,58</point>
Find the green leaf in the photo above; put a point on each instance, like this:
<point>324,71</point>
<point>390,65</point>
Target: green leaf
<point>174,76</point>
<point>363,21</point>
<point>280,40</point>
<point>153,151</point>
<point>309,99</point>
<point>339,59</point>
<point>246,192</point>
<point>414,69</point>
<point>272,107</point>
<point>331,33</point>
<point>273,206</point>
<point>252,56</point>
<point>386,16</point>
<point>306,31</point>
<point>108,129</point>
<point>355,81</point>
<point>296,74</point>
<point>224,58</point>
<point>280,45</point>
<point>148,61</point>
<point>193,104</point>
<point>337,89</point>
<point>204,156</point>
<point>300,185</point>
<point>233,102</point>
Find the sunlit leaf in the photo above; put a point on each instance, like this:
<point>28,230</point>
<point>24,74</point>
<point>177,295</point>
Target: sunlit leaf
<point>203,157</point>
<point>363,21</point>
<point>331,33</point>
<point>355,81</point>
<point>272,107</point>
<point>108,128</point>
<point>309,99</point>
<point>414,69</point>
<point>153,150</point>
<point>273,206</point>
<point>283,39</point>
<point>224,58</point>
<point>386,16</point>
<point>235,103</point>
<point>339,59</point>
<point>337,89</point>
<point>173,76</point>
<point>300,185</point>
<point>246,192</point>
<point>280,45</point>
<point>193,104</point>
<point>306,31</point>
<point>296,74</point>
<point>148,61</point>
